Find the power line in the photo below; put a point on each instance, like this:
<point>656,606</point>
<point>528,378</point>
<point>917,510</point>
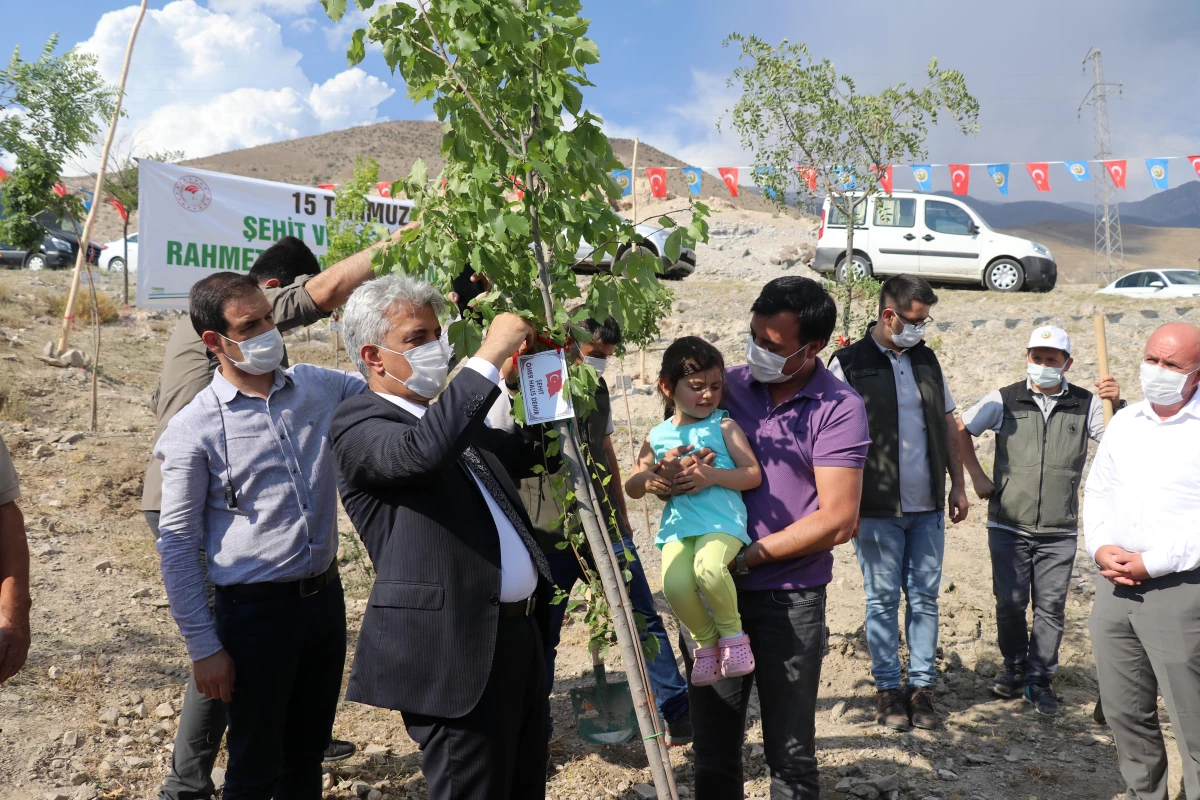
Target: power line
<point>1106,211</point>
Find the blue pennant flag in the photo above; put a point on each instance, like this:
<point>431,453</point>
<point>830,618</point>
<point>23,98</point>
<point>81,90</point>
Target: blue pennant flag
<point>624,179</point>
<point>1158,171</point>
<point>87,199</point>
<point>1078,170</point>
<point>767,190</point>
<point>921,175</point>
<point>999,173</point>
<point>845,179</point>
<point>693,176</point>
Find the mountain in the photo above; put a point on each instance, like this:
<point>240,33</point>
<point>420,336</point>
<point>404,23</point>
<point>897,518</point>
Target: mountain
<point>1173,208</point>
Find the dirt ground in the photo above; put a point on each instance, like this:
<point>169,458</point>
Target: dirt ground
<point>93,712</point>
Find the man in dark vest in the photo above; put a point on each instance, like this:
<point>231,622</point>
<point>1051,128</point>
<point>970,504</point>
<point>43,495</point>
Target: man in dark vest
<point>1042,426</point>
<point>902,533</point>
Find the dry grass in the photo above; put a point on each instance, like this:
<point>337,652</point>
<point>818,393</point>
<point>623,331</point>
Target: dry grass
<point>83,306</point>
<point>12,403</point>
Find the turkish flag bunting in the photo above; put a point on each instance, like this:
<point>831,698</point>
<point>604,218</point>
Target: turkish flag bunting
<point>326,186</point>
<point>3,174</point>
<point>517,186</point>
<point>658,181</point>
<point>810,177</point>
<point>1040,172</point>
<point>960,178</point>
<point>60,190</point>
<point>885,180</point>
<point>1194,159</point>
<point>730,176</point>
<point>120,207</point>
<point>385,188</point>
<point>1116,171</point>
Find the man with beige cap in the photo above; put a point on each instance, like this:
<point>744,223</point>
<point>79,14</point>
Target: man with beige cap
<point>1141,509</point>
<point>1042,426</point>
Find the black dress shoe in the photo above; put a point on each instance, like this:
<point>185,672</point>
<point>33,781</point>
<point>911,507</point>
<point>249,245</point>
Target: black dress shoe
<point>679,731</point>
<point>338,751</point>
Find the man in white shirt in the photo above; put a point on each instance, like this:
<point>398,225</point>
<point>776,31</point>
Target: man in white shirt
<point>453,634</point>
<point>1141,512</point>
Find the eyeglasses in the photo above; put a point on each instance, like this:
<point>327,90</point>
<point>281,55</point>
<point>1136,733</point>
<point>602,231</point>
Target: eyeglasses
<point>906,320</point>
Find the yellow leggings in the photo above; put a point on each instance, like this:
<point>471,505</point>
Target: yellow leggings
<point>702,563</point>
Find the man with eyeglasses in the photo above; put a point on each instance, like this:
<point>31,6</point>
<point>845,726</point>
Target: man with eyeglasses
<point>901,539</point>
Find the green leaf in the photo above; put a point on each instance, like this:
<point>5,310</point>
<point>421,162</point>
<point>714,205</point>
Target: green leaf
<point>356,52</point>
<point>417,176</point>
<point>586,52</point>
<point>465,337</point>
<point>334,8</point>
<point>364,4</point>
<point>673,245</point>
<point>666,222</point>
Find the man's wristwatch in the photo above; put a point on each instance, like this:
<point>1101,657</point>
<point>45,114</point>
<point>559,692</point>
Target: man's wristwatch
<point>740,569</point>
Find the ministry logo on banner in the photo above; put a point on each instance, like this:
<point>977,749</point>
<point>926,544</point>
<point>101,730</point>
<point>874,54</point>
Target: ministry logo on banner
<point>694,178</point>
<point>1078,170</point>
<point>921,176</point>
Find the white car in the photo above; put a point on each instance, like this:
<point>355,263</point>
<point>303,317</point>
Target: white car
<point>936,237</point>
<point>1156,283</point>
<point>654,240</point>
<point>112,256</point>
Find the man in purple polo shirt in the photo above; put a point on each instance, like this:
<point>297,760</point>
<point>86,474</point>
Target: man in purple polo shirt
<point>809,431</point>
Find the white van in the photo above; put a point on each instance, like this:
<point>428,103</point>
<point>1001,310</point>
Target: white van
<point>936,237</point>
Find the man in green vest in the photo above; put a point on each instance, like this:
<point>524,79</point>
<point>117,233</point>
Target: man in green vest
<point>902,529</point>
<point>1042,426</point>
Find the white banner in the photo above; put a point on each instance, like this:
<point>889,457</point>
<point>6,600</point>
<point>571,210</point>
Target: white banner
<point>192,222</point>
<point>543,387</point>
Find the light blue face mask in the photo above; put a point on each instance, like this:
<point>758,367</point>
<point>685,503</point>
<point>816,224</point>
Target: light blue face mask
<point>1044,377</point>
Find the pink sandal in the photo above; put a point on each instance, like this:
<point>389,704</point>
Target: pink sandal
<point>737,658</point>
<point>706,668</point>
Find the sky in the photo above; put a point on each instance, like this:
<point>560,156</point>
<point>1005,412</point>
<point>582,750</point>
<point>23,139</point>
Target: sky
<point>216,75</point>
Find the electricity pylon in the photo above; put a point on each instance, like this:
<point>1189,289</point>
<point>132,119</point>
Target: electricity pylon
<point>1108,256</point>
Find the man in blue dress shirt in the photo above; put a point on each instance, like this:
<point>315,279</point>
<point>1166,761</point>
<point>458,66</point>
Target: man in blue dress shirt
<point>248,476</point>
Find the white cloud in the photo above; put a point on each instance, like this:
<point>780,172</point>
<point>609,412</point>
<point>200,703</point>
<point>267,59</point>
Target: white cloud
<point>304,24</point>
<point>204,81</point>
<point>688,130</point>
<point>279,6</point>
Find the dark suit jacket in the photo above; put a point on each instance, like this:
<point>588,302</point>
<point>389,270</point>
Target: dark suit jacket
<point>429,633</point>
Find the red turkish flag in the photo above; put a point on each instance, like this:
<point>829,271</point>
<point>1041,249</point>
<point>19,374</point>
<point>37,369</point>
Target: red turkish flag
<point>885,180</point>
<point>1040,172</point>
<point>120,207</point>
<point>60,190</point>
<point>3,174</point>
<point>554,382</point>
<point>517,186</point>
<point>326,186</point>
<point>385,188</point>
<point>960,178</point>
<point>1116,171</point>
<point>658,181</point>
<point>730,176</point>
<point>810,177</point>
<point>1194,159</point>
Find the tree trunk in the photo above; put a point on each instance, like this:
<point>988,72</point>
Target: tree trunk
<point>598,540</point>
<point>125,265</point>
<point>847,266</point>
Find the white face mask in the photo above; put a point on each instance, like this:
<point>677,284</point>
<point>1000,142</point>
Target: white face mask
<point>260,354</point>
<point>767,367</point>
<point>1162,387</point>
<point>430,365</point>
<point>1043,376</point>
<point>598,364</point>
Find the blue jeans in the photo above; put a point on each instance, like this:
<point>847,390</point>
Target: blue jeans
<point>902,553</point>
<point>670,689</point>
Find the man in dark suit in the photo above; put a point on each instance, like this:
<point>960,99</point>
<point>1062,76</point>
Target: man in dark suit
<point>452,637</point>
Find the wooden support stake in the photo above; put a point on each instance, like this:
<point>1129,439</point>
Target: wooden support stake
<point>97,196</point>
<point>1102,361</point>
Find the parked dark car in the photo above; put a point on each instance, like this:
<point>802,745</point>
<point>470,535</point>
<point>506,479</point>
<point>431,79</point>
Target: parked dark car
<point>58,251</point>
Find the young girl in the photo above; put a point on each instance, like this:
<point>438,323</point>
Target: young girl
<point>704,524</point>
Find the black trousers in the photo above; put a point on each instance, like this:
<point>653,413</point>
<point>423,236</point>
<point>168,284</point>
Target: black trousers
<point>201,728</point>
<point>787,634</point>
<point>288,652</point>
<point>498,750</point>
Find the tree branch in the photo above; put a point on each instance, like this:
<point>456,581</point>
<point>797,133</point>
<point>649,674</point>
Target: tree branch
<point>461,84</point>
